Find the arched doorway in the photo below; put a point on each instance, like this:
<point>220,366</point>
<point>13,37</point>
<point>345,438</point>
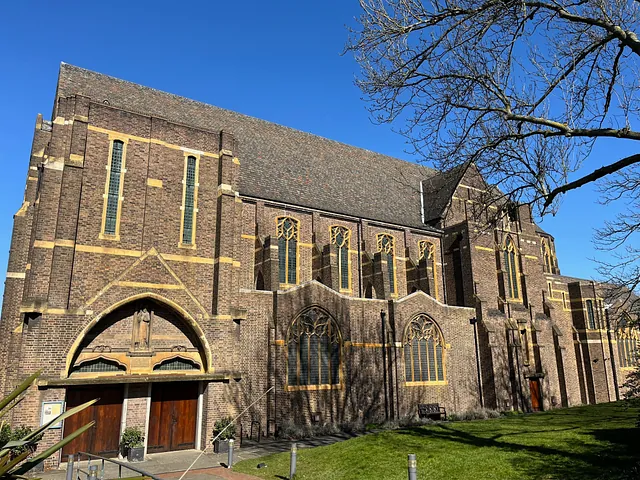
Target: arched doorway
<point>132,358</point>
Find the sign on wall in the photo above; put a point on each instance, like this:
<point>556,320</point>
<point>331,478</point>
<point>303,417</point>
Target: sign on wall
<point>51,410</point>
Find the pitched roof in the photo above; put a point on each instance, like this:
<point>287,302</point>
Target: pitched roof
<point>438,190</point>
<point>279,163</point>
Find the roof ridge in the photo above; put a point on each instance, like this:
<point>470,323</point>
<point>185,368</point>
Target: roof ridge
<point>245,116</point>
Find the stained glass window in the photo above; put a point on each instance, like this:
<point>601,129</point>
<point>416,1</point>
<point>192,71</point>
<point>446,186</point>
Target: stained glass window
<point>386,245</point>
<point>341,238</point>
<point>189,201</point>
<point>98,365</point>
<point>423,351</point>
<point>591,318</point>
<point>313,347</point>
<point>113,190</point>
<point>177,364</point>
<point>287,233</point>
<point>427,251</point>
<point>511,269</point>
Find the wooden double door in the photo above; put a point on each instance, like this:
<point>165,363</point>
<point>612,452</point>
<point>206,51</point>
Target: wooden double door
<point>104,437</point>
<point>173,416</point>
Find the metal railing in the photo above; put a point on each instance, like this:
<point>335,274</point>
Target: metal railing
<point>93,473</point>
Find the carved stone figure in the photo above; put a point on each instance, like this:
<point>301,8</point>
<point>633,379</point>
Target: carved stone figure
<point>142,330</point>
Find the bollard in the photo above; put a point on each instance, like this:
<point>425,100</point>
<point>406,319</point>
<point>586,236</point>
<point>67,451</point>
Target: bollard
<point>413,468</point>
<point>70,467</point>
<point>292,465</point>
<point>230,455</point>
<point>93,472</point>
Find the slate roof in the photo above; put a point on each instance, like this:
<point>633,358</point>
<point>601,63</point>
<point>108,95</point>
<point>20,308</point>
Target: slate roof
<point>280,163</point>
<point>438,190</point>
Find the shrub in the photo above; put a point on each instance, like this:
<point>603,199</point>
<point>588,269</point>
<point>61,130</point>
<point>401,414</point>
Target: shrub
<point>132,437</point>
<point>220,425</point>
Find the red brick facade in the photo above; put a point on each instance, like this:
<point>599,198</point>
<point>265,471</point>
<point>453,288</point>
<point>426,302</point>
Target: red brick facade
<point>75,293</point>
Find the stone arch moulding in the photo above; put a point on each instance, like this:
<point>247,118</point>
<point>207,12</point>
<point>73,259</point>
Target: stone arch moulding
<point>184,315</point>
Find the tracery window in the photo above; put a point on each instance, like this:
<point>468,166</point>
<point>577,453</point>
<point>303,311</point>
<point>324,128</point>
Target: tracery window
<point>287,232</point>
<point>628,346</point>
<point>547,257</point>
<point>177,364</point>
<point>98,365</point>
<point>341,238</point>
<point>427,251</point>
<point>423,351</point>
<point>313,350</point>
<point>113,188</point>
<point>386,245</point>
<point>511,269</point>
<point>591,318</point>
<point>189,201</point>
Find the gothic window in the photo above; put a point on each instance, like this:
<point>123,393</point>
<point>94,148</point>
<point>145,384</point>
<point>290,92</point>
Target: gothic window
<point>115,171</point>
<point>628,345</point>
<point>547,257</point>
<point>511,269</point>
<point>176,364</point>
<point>591,318</point>
<point>564,300</point>
<point>423,351</point>
<point>524,342</point>
<point>287,233</point>
<point>189,201</point>
<point>386,245</point>
<point>99,365</point>
<point>313,350</point>
<point>427,252</point>
<point>341,238</point>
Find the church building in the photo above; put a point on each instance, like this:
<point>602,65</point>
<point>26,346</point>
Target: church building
<point>177,260</point>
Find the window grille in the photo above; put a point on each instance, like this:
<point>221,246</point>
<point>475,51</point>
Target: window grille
<point>313,348</point>
<point>113,191</point>
<point>423,351</point>
<point>177,364</point>
<point>189,201</point>
<point>341,238</point>
<point>386,245</point>
<point>99,365</point>
<point>287,233</point>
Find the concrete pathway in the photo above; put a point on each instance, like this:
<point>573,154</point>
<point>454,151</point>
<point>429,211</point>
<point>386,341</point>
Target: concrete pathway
<point>171,465</point>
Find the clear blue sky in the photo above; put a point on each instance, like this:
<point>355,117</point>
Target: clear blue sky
<point>276,60</point>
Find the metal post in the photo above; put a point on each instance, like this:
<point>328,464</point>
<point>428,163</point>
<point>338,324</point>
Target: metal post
<point>70,467</point>
<point>230,454</point>
<point>292,465</point>
<point>413,467</point>
<point>102,470</point>
<point>93,472</point>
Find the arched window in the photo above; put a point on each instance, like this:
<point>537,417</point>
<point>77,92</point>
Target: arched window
<point>113,193</point>
<point>591,318</point>
<point>313,350</point>
<point>427,252</point>
<point>628,345</point>
<point>189,200</point>
<point>547,257</point>
<point>510,267</point>
<point>386,245</point>
<point>423,351</point>
<point>98,365</point>
<point>176,363</point>
<point>341,238</point>
<point>287,232</point>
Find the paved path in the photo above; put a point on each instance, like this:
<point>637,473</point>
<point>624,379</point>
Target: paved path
<point>170,465</point>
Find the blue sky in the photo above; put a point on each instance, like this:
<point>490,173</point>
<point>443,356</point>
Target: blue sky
<point>277,60</point>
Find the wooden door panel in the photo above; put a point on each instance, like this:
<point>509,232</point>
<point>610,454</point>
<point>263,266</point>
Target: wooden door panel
<point>185,409</point>
<point>104,438</point>
<point>536,401</point>
<point>172,421</point>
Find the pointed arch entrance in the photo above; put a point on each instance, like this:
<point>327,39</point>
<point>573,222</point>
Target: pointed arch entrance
<point>131,356</point>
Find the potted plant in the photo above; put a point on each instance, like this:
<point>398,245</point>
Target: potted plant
<point>133,444</point>
<point>228,429</point>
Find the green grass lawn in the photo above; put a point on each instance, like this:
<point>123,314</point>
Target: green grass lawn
<point>598,441</point>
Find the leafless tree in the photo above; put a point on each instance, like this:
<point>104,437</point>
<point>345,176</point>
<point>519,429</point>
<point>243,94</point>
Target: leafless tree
<point>522,88</point>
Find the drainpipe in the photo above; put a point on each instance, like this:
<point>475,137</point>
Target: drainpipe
<point>474,322</point>
<point>383,316</point>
